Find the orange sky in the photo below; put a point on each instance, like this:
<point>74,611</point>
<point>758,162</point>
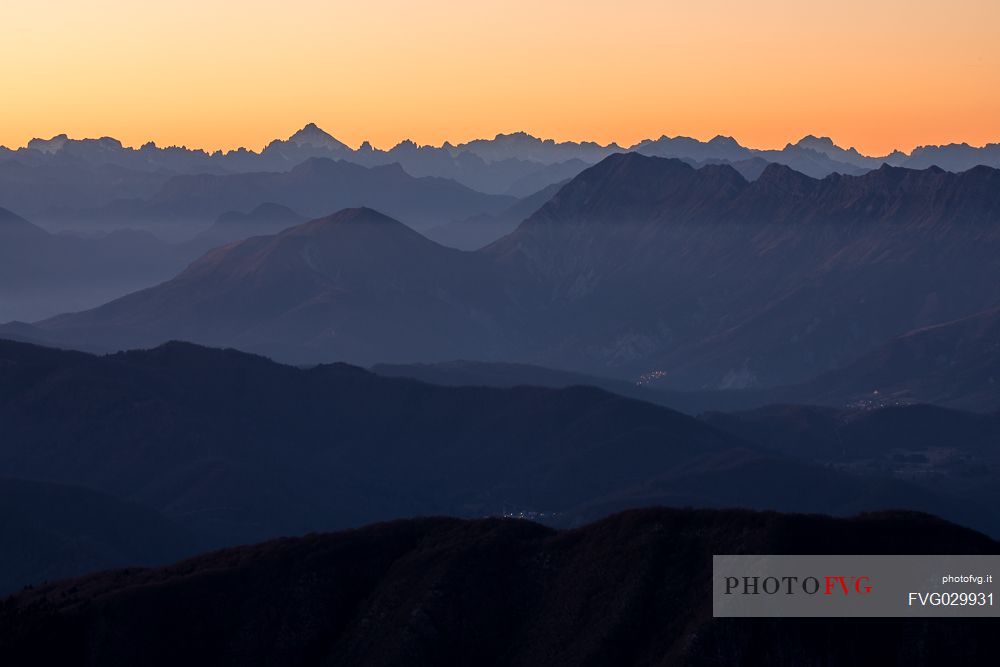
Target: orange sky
<point>875,74</point>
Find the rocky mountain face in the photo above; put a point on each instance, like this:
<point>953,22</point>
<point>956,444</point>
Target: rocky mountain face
<point>717,282</point>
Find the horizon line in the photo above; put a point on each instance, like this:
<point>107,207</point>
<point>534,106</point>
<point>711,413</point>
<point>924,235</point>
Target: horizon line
<point>457,143</point>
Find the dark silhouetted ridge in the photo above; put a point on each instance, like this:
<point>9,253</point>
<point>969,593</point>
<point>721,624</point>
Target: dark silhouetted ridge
<point>784,178</point>
<point>629,186</point>
<point>237,447</point>
<point>633,589</point>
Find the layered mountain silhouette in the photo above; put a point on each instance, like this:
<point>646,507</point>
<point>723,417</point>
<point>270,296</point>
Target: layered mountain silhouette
<point>100,182</point>
<point>851,155</point>
<point>954,157</point>
<point>314,187</point>
<point>810,156</point>
<point>64,181</point>
<point>553,175</point>
<point>509,164</point>
<point>355,285</point>
<point>481,230</point>
<point>556,331</point>
<point>70,177</point>
<point>720,283</point>
<point>634,589</point>
<point>42,273</point>
<point>637,266</point>
<point>264,220</point>
<point>236,448</point>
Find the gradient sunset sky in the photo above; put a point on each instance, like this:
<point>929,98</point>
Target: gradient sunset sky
<point>875,74</point>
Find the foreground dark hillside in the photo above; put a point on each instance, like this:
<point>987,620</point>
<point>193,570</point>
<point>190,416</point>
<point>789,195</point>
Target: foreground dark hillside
<point>634,589</point>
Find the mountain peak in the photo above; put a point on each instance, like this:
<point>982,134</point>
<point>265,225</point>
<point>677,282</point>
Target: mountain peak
<point>780,175</point>
<point>311,130</point>
<point>314,137</point>
<point>53,145</point>
<point>887,168</point>
<point>635,158</point>
<point>811,140</point>
<point>361,215</point>
<point>517,137</point>
<point>720,140</point>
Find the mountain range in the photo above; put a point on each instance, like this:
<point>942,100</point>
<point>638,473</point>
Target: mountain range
<point>936,448</point>
<point>638,266</point>
<point>64,182</point>
<point>633,589</point>
<point>357,281</point>
<point>226,448</point>
<point>718,282</point>
<point>313,187</point>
